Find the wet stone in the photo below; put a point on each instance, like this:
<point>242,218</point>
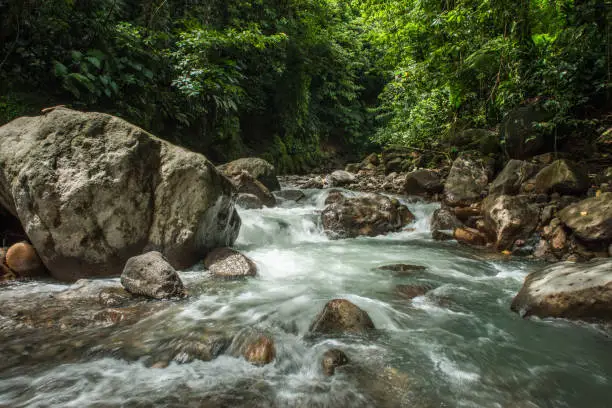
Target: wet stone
<point>332,359</point>
<point>403,269</point>
<point>412,291</point>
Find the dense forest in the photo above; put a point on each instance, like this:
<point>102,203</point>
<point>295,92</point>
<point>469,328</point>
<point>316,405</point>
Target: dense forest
<point>294,81</point>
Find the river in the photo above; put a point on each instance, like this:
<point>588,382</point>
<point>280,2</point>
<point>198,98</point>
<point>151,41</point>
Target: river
<point>457,346</point>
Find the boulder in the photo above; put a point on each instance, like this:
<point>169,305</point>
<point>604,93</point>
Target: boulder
<point>227,263</point>
<point>92,190</point>
<point>470,236</point>
<point>24,261</point>
<point>249,201</point>
<point>423,182</point>
<point>590,219</point>
<point>370,215</point>
<point>152,276</point>
<point>508,218</point>
<point>519,134</point>
<point>315,182</point>
<point>247,184</point>
<point>260,169</point>
<point>483,140</point>
<point>255,346</point>
<point>340,178</point>
<point>403,269</point>
<point>562,177</point>
<point>352,167</point>
<point>442,224</point>
<point>514,174</point>
<point>333,359</point>
<point>466,181</point>
<point>341,316</point>
<point>568,290</point>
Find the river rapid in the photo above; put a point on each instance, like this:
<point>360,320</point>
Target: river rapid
<point>457,346</point>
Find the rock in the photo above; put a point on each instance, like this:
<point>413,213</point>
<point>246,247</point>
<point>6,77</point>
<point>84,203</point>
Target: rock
<point>291,195</point>
<point>568,290</point>
<point>508,218</point>
<point>467,179</point>
<point>315,182</point>
<point>519,134</point>
<point>353,167</point>
<point>340,178</point>
<point>255,346</point>
<point>332,359</point>
<point>482,140</point>
<point>114,297</point>
<point>247,184</point>
<point>334,196</point>
<point>260,169</point>
<point>423,182</point>
<point>412,291</point>
<point>465,213</point>
<point>470,236</point>
<point>185,348</point>
<point>341,316</point>
<point>590,219</point>
<point>372,159</point>
<point>249,201</point>
<point>228,263</point>
<point>152,276</point>
<point>403,269</point>
<point>442,224</point>
<point>24,261</point>
<point>562,177</point>
<point>370,215</point>
<point>514,174</point>
<point>93,190</point>
<point>261,352</point>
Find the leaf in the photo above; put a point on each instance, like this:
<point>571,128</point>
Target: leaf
<point>60,69</point>
<point>94,61</point>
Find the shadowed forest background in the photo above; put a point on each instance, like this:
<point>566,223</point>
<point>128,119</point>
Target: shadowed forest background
<point>300,82</point>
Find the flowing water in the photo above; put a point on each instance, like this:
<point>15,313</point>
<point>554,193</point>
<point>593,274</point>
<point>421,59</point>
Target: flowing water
<point>457,346</point>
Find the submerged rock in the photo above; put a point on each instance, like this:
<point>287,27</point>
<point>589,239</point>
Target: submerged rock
<point>255,346</point>
<point>227,263</point>
<point>22,259</point>
<point>152,276</point>
<point>403,269</point>
<point>370,215</point>
<point>333,359</point>
<point>260,169</point>
<point>568,290</point>
<point>509,218</point>
<point>412,291</point>
<point>93,190</point>
<point>341,316</point>
<point>590,219</point>
<point>563,177</point>
<point>291,195</point>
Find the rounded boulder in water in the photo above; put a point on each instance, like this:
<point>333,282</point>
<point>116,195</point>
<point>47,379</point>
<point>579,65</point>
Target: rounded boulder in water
<point>227,263</point>
<point>342,316</point>
<point>152,276</point>
<point>333,359</point>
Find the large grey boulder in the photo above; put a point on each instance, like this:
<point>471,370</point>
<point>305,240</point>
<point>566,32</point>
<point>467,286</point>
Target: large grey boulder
<point>590,219</point>
<point>563,177</point>
<point>510,179</point>
<point>368,215</point>
<point>260,169</point>
<point>247,184</point>
<point>568,290</point>
<point>508,218</point>
<point>341,178</point>
<point>227,263</point>
<point>423,182</point>
<point>92,190</point>
<point>152,276</point>
<point>466,181</point>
